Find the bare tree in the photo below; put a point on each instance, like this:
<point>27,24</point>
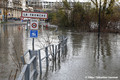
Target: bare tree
<point>106,5</point>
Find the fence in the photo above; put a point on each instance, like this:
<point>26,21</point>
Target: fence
<point>29,70</point>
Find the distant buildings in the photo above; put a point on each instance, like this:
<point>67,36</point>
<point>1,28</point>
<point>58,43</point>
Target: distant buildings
<point>49,5</point>
<point>13,8</point>
<point>10,8</point>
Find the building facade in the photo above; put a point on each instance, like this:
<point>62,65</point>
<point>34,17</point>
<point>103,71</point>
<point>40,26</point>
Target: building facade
<point>49,5</point>
<point>10,8</point>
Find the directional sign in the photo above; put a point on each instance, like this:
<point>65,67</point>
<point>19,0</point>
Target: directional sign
<point>38,15</point>
<point>34,24</point>
<point>33,33</point>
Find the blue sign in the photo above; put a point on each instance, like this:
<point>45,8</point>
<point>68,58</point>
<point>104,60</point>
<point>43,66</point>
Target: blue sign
<point>33,33</point>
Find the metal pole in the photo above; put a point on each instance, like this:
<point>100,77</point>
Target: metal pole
<point>27,24</point>
<point>27,73</point>
<point>33,44</point>
<point>35,68</point>
<point>99,21</point>
<point>40,64</point>
<point>59,51</point>
<point>22,59</point>
<point>55,52</point>
<point>53,55</point>
<point>46,51</point>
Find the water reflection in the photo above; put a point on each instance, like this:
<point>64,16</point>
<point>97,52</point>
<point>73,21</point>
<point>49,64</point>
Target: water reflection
<point>11,48</point>
<point>80,60</point>
<point>85,60</point>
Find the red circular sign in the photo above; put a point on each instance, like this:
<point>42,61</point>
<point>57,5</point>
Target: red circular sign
<point>34,25</point>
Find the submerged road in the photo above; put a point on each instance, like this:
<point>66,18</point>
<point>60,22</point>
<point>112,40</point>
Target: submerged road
<point>83,61</point>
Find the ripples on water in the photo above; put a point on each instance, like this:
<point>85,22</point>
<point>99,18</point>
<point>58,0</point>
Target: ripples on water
<point>82,56</point>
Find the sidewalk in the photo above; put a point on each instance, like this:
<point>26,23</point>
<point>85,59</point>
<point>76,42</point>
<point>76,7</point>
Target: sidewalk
<point>15,23</point>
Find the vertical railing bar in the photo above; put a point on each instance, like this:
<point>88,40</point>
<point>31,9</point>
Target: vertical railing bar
<point>59,51</point>
<point>22,59</point>
<point>53,52</point>
<point>46,51</point>
<point>30,53</point>
<point>27,73</point>
<point>34,67</point>
<point>40,64</point>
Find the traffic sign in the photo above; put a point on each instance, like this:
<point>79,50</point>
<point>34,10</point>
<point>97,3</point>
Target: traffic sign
<point>34,24</point>
<point>33,33</point>
<point>38,15</point>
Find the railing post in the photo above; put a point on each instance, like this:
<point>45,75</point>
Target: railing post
<point>30,53</point>
<point>40,64</point>
<point>34,67</point>
<point>22,59</point>
<point>27,73</point>
<point>46,51</point>
<point>59,50</point>
<point>62,46</point>
<point>65,44</point>
<point>53,52</point>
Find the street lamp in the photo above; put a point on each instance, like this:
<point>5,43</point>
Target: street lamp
<point>99,22</point>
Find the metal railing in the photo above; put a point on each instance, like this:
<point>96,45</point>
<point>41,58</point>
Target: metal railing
<point>29,70</point>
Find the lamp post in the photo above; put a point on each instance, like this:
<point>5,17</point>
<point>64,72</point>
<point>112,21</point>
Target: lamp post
<point>99,22</point>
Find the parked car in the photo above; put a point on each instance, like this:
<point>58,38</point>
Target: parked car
<point>14,18</point>
<point>18,19</point>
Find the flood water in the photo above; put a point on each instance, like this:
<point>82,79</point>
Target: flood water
<point>82,61</point>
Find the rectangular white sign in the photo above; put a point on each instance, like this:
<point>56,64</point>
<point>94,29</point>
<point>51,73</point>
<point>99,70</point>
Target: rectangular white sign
<point>34,24</point>
<point>39,15</point>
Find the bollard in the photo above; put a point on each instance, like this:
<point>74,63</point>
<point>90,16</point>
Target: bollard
<point>46,51</point>
<point>40,64</point>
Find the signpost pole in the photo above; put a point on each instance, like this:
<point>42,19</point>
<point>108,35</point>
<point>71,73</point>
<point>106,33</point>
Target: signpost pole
<point>27,25</point>
<point>34,31</point>
<point>33,44</point>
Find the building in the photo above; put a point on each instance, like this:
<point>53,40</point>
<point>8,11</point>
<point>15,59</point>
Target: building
<point>49,5</point>
<point>10,8</point>
<point>17,8</point>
